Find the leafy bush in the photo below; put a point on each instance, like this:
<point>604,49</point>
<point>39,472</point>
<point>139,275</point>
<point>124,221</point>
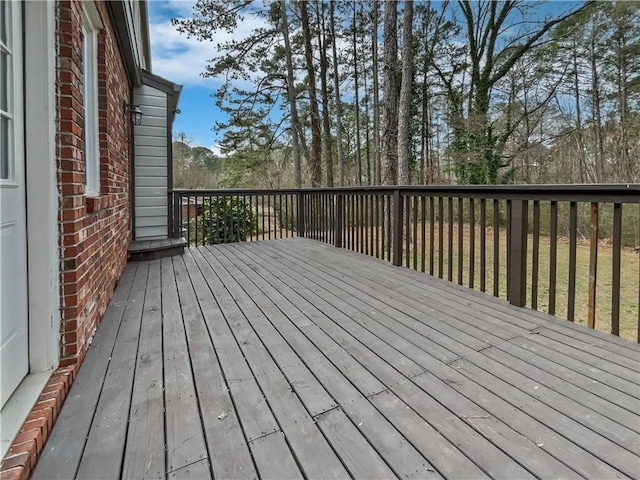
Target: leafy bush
<point>226,220</point>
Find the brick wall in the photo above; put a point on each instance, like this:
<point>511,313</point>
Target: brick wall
<point>94,231</point>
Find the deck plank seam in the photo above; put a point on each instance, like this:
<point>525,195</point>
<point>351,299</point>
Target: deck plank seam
<point>554,323</point>
<point>225,247</point>
<point>296,328</point>
<point>364,393</point>
<point>328,359</point>
<point>550,321</point>
<point>265,434</point>
<point>384,316</point>
<point>144,266</point>
<point>452,442</point>
<point>278,421</point>
<point>206,459</point>
<point>405,314</point>
<point>418,297</point>
<point>545,352</point>
<point>170,264</point>
<point>459,365</point>
<point>227,380</point>
<point>512,307</point>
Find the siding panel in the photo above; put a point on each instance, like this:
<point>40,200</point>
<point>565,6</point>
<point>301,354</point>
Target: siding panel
<point>151,165</point>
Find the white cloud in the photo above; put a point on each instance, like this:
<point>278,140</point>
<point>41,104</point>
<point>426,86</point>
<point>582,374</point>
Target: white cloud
<point>183,59</point>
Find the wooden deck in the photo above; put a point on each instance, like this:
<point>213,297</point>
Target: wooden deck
<point>294,359</point>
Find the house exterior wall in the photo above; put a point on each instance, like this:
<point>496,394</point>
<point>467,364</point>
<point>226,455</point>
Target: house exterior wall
<point>94,231</point>
<point>151,164</point>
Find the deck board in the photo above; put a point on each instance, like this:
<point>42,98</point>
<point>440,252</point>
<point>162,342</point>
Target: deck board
<point>294,359</point>
<point>105,443</point>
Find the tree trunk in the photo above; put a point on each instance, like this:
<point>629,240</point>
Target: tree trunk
<point>377,168</point>
<point>367,116</point>
<point>336,87</point>
<point>404,115</point>
<point>597,114</point>
<point>326,126</point>
<point>389,139</point>
<point>295,122</point>
<point>357,99</point>
<point>316,136</point>
<point>581,147</point>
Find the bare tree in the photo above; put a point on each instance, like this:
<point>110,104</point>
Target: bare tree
<point>404,113</point>
<point>377,168</point>
<point>389,143</point>
<point>336,87</point>
<point>326,126</point>
<point>316,136</point>
<point>295,122</point>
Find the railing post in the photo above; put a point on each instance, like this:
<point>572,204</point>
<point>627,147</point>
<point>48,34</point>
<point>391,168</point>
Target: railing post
<point>338,221</point>
<point>301,219</point>
<point>176,224</point>
<point>397,227</point>
<point>517,271</point>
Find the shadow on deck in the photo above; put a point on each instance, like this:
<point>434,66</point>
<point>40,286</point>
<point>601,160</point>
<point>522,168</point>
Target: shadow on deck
<point>291,358</point>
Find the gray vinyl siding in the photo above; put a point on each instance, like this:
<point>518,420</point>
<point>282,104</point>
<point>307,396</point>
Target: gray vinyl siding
<point>150,147</point>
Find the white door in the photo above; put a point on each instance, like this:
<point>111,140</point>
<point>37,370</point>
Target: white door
<point>14,327</point>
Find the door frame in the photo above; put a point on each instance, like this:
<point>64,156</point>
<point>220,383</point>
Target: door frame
<point>40,157</point>
<point>41,185</point>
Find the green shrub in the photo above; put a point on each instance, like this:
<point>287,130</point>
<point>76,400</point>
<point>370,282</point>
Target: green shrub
<point>226,220</point>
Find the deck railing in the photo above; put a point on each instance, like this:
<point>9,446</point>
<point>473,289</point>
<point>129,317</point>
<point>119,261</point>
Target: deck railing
<point>570,250</point>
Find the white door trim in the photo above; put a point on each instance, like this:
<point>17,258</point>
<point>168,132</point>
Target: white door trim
<point>42,189</point>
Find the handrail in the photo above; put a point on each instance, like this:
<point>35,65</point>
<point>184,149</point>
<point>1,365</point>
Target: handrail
<point>625,193</point>
<point>415,226</point>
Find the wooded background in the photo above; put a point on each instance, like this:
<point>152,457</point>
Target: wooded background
<point>369,92</point>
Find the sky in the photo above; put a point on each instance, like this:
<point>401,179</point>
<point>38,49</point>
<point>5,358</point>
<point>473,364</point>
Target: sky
<point>182,60</point>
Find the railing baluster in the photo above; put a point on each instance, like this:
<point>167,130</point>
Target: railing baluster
<point>423,218</point>
<point>376,199</point>
<point>325,218</point>
<point>615,270</point>
<point>508,249</point>
<point>472,242</point>
<point>389,226</point>
<point>196,221</point>
<point>432,202</point>
<point>363,241</point>
<point>483,244</point>
<point>535,263</point>
<point>460,239</point>
<point>440,237</point>
<point>593,266</point>
<point>339,221</point>
<point>262,215</point>
<point>407,230</point>
<point>450,239</point>
<point>573,244</point>
<point>372,226</point>
<point>496,247</point>
<point>398,202</point>
<point>553,254</point>
<point>300,214</point>
<point>278,212</point>
<point>415,233</point>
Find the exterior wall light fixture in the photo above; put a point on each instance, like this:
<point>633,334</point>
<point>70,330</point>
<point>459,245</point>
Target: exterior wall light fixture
<point>134,110</point>
<point>136,115</point>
